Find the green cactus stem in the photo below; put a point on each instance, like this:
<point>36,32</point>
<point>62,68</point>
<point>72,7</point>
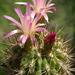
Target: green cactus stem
<point>29,60</point>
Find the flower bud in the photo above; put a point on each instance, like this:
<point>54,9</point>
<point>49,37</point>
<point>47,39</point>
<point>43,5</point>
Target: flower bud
<point>50,39</point>
<point>49,42</point>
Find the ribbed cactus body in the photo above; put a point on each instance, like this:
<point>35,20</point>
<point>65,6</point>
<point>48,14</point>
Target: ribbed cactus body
<point>35,62</point>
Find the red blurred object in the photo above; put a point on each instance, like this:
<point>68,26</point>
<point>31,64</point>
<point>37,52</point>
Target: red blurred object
<point>48,43</point>
<point>50,39</point>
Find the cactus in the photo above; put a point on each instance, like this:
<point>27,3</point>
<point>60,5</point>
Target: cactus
<point>49,54</point>
<point>40,61</point>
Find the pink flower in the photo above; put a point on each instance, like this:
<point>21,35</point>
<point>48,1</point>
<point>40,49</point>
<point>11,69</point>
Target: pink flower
<point>41,6</point>
<point>28,26</point>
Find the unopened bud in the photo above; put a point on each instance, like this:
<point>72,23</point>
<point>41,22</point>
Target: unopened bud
<point>49,42</point>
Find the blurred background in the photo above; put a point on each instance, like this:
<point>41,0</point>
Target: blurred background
<point>64,16</point>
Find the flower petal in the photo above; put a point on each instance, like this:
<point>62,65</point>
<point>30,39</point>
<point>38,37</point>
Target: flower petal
<point>49,2</point>
<point>41,29</point>
<point>50,11</point>
<point>12,19</point>
<point>33,14</point>
<point>43,10</point>
<point>53,8</point>
<point>46,17</point>
<point>28,11</point>
<point>22,3</point>
<point>34,2</point>
<point>24,38</point>
<point>16,25</point>
<point>40,24</point>
<point>29,27</point>
<point>43,2</point>
<point>19,13</point>
<point>12,33</point>
<point>13,24</point>
<point>37,18</point>
<point>20,39</point>
<point>32,39</point>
